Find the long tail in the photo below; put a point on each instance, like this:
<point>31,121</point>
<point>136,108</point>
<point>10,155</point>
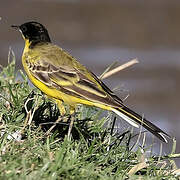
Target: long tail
<point>135,120</point>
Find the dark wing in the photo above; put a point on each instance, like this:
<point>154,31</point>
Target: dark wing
<point>111,93</point>
<point>74,82</point>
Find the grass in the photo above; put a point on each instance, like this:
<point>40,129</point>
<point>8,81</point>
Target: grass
<point>27,151</point>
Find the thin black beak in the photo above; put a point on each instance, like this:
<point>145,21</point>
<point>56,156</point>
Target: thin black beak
<point>15,27</point>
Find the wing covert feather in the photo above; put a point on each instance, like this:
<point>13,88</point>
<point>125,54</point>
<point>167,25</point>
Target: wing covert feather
<point>72,78</point>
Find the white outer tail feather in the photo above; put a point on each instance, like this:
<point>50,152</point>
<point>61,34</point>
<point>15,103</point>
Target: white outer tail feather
<point>126,118</point>
<point>162,135</point>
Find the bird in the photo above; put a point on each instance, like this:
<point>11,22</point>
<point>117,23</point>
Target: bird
<point>65,80</point>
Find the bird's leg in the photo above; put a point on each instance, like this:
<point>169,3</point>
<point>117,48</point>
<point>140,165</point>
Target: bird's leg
<point>61,107</point>
<point>72,118</point>
<point>64,116</point>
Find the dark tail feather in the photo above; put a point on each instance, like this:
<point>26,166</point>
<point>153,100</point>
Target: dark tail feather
<point>134,119</point>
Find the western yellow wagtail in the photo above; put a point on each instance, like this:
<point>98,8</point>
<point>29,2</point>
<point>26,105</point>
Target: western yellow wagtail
<point>62,78</point>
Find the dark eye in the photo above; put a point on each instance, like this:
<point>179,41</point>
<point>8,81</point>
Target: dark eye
<point>23,28</point>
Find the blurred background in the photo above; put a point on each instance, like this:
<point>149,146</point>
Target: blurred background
<point>101,32</point>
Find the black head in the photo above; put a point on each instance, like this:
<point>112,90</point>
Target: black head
<point>34,32</point>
